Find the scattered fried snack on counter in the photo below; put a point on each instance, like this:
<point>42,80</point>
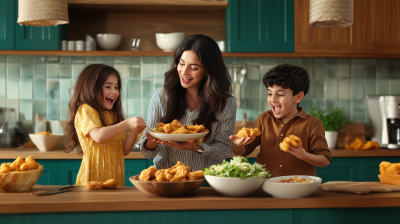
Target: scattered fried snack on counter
<point>19,165</point>
<point>179,172</point>
<point>44,133</point>
<point>357,144</point>
<point>110,184</point>
<point>248,132</point>
<point>292,140</point>
<point>98,185</point>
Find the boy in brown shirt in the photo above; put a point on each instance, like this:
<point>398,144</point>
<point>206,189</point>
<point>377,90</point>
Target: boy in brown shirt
<point>286,86</point>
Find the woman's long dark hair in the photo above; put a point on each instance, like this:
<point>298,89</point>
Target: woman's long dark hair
<point>88,86</point>
<point>214,89</point>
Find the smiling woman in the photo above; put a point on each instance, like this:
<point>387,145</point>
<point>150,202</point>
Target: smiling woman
<point>197,90</point>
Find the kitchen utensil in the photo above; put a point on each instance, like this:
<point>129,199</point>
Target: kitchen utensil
<point>168,42</point>
<point>108,41</point>
<point>167,188</point>
<point>234,186</point>
<point>241,76</point>
<point>133,44</point>
<point>291,190</point>
<point>56,191</point>
<point>358,187</point>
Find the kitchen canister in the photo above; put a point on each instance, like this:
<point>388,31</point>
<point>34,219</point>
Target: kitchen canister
<point>71,45</point>
<point>90,45</point>
<point>64,45</point>
<point>80,45</point>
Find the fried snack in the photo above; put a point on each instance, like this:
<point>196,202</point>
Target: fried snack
<point>4,168</point>
<point>195,175</point>
<point>160,126</point>
<point>199,141</point>
<point>110,184</point>
<point>175,127</point>
<point>394,169</point>
<point>94,185</point>
<point>248,132</point>
<point>44,133</point>
<point>181,173</point>
<point>148,174</point>
<point>181,130</point>
<point>29,145</point>
<point>357,144</point>
<point>292,140</point>
<point>384,166</point>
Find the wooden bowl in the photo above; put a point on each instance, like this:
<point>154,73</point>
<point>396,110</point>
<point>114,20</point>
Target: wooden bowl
<point>167,188</point>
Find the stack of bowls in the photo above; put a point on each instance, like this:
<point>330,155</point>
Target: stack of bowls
<point>168,42</point>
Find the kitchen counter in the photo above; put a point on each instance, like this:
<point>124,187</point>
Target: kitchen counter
<point>12,153</point>
<point>81,199</point>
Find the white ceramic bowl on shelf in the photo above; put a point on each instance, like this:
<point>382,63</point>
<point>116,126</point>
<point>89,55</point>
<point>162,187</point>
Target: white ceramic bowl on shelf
<point>291,190</point>
<point>234,186</point>
<point>168,42</point>
<point>46,142</point>
<point>108,41</point>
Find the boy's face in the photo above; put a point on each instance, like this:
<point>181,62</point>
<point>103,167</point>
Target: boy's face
<point>282,102</point>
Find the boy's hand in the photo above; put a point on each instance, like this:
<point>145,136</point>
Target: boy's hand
<point>241,141</point>
<point>136,124</point>
<point>299,152</point>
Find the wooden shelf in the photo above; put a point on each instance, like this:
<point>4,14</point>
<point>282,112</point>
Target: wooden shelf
<point>224,54</point>
<point>152,2</point>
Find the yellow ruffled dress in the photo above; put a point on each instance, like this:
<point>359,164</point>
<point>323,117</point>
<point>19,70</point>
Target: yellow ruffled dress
<point>101,161</point>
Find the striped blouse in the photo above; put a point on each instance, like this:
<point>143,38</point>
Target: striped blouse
<point>216,148</point>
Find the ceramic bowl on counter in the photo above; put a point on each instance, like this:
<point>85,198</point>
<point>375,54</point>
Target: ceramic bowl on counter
<point>234,186</point>
<point>46,142</point>
<point>166,188</point>
<point>177,137</point>
<point>108,41</point>
<point>291,190</point>
<point>168,42</point>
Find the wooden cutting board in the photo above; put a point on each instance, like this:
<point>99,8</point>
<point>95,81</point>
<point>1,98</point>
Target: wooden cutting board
<point>358,187</point>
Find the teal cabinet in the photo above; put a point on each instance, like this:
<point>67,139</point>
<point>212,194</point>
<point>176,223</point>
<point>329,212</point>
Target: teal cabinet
<point>133,167</point>
<point>38,38</point>
<point>7,24</point>
<point>49,174</point>
<point>260,26</point>
<point>68,171</point>
<point>369,167</point>
<point>345,169</point>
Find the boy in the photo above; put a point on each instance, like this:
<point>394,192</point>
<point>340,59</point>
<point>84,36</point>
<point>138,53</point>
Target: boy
<point>286,85</point>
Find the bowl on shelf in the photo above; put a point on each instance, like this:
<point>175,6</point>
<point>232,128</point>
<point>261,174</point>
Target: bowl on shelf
<point>166,188</point>
<point>168,42</point>
<point>46,142</point>
<point>234,186</point>
<point>291,190</point>
<point>108,41</point>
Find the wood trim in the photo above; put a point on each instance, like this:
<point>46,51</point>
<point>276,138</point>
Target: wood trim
<point>151,2</point>
<point>366,153</point>
<point>80,199</point>
<point>224,54</point>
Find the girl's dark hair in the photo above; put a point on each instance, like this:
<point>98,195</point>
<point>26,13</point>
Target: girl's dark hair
<point>214,89</point>
<point>288,76</point>
<point>88,86</point>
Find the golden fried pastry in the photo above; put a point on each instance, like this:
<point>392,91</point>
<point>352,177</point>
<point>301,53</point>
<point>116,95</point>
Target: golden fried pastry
<point>110,184</point>
<point>175,127</point>
<point>44,133</point>
<point>181,130</point>
<point>160,126</point>
<point>148,174</point>
<point>178,172</point>
<point>357,144</point>
<point>394,169</point>
<point>94,185</point>
<point>292,140</point>
<point>384,166</point>
<point>181,173</point>
<point>4,168</point>
<point>248,132</point>
<point>195,175</point>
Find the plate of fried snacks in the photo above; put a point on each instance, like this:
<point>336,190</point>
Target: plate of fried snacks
<point>175,181</point>
<point>175,131</point>
<point>390,173</point>
<point>357,144</point>
<point>98,185</point>
<point>20,175</point>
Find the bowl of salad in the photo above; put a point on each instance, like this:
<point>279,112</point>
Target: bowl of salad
<point>236,178</point>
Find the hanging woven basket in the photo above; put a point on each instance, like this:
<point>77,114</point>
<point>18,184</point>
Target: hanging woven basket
<point>42,12</point>
<point>331,13</point>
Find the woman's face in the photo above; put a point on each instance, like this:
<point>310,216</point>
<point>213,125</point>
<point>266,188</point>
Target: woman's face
<point>110,92</point>
<point>190,70</point>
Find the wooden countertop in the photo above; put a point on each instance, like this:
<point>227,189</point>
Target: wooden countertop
<point>81,199</point>
<point>12,153</point>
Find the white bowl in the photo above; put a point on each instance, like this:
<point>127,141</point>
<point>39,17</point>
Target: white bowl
<point>108,41</point>
<point>46,142</point>
<point>234,186</point>
<point>177,137</point>
<point>168,42</point>
<point>291,190</point>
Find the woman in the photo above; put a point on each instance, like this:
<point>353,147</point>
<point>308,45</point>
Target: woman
<point>197,90</point>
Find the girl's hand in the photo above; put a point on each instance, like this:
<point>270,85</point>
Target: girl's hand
<point>190,145</point>
<point>136,124</point>
<point>241,141</point>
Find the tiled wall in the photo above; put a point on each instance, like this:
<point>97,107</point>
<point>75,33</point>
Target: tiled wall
<point>39,84</point>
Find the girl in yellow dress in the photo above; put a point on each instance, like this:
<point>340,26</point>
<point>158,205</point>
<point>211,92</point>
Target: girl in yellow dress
<point>96,125</point>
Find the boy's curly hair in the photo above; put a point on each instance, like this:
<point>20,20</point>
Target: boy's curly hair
<point>288,76</point>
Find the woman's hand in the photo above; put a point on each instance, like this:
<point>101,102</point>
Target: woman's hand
<point>136,124</point>
<point>151,142</point>
<point>241,141</point>
<point>190,145</point>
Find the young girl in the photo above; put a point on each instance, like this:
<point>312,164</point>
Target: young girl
<point>97,127</point>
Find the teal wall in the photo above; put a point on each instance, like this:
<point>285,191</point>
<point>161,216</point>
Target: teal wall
<point>39,84</point>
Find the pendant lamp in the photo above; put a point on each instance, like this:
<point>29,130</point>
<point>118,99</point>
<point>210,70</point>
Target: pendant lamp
<point>42,12</point>
<point>331,13</point>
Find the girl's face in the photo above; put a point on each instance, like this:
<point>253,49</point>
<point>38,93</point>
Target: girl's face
<point>110,92</point>
<point>190,70</point>
<point>282,102</point>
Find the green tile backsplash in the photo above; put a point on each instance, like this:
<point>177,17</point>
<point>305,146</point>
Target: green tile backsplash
<point>41,84</point>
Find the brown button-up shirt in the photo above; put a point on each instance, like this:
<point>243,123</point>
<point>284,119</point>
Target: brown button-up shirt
<point>308,128</point>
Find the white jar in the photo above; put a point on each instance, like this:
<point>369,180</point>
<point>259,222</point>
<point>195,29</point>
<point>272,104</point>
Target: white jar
<point>71,45</point>
<point>80,45</point>
<point>64,45</point>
